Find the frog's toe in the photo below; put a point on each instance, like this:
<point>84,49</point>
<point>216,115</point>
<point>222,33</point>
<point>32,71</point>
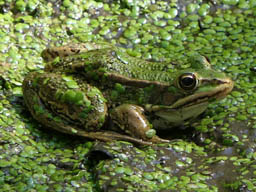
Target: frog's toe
<point>157,139</point>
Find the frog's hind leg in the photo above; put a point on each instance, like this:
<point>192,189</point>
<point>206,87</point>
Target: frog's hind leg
<point>58,101</point>
<point>49,54</point>
<point>77,111</point>
<point>111,136</point>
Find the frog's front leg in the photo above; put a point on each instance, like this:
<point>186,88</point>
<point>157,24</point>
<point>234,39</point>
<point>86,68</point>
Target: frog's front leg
<point>130,119</point>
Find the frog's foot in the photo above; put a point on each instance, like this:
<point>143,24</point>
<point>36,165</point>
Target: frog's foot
<point>131,120</point>
<point>156,139</point>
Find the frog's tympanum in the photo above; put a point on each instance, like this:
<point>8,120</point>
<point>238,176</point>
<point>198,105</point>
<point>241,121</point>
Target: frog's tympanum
<point>103,93</point>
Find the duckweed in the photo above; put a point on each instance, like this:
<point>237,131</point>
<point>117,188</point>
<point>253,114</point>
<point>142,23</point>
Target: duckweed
<point>160,31</point>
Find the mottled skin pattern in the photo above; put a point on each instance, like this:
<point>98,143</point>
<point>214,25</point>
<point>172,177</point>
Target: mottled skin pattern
<point>106,94</point>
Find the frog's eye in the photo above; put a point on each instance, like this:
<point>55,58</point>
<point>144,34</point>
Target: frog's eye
<point>188,81</point>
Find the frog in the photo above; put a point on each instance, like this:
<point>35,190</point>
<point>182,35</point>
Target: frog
<point>102,93</point>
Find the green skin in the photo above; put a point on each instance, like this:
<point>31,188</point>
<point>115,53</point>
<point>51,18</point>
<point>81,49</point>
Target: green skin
<point>99,92</point>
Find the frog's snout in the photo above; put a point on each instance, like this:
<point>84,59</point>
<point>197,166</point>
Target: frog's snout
<point>227,87</point>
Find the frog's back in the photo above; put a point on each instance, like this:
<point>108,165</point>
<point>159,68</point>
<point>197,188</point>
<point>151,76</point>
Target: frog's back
<point>115,64</point>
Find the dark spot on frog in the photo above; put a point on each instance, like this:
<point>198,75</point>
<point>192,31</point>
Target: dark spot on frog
<point>45,54</point>
<point>56,53</point>
<point>75,50</point>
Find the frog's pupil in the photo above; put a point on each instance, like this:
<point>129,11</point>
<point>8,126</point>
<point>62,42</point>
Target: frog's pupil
<point>187,81</point>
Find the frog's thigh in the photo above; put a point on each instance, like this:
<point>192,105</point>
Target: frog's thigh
<point>131,120</point>
<point>58,101</point>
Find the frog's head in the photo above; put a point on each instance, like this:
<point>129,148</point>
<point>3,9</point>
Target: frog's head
<point>201,86</point>
<point>194,89</point>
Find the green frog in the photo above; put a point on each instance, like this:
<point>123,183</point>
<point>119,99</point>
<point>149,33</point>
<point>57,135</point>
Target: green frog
<point>100,92</point>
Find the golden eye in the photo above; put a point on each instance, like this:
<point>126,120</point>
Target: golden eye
<point>188,81</point>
